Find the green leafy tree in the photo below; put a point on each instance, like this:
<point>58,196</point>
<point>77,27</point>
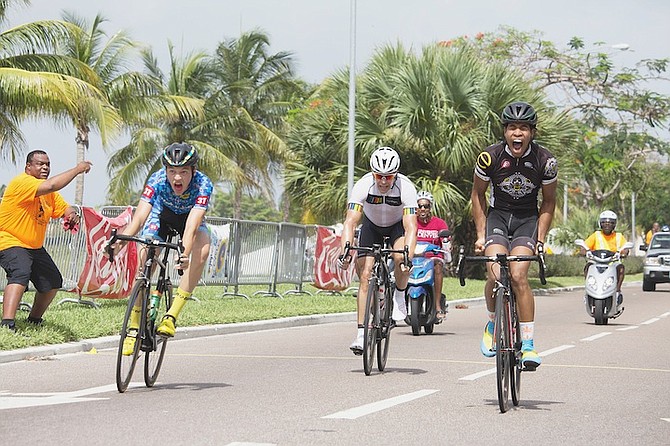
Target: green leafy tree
<point>251,208</point>
<point>439,109</point>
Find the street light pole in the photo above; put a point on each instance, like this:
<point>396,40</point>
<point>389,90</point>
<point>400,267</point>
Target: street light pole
<point>352,100</point>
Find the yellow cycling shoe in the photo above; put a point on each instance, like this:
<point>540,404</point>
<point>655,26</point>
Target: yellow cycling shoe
<point>129,343</point>
<point>167,326</point>
<point>486,346</point>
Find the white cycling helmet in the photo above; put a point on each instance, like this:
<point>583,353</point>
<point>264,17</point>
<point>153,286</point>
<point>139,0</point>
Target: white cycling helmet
<point>607,221</point>
<point>424,195</point>
<point>385,161</point>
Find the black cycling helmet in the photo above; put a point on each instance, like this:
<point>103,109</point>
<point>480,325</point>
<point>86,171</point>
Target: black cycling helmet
<point>180,154</point>
<point>519,112</point>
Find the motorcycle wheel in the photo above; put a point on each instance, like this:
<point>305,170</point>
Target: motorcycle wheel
<point>600,312</point>
<point>415,316</point>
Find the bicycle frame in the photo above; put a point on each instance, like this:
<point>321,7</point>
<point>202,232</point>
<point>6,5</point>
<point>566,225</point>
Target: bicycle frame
<point>145,336</point>
<point>377,321</point>
<point>507,333</point>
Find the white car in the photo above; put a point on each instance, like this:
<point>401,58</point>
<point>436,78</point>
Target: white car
<point>656,261</point>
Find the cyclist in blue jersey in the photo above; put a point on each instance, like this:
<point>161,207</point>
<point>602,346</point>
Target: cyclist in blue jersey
<point>516,169</point>
<point>177,197</point>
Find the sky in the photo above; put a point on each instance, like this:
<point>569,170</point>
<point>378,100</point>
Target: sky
<point>318,34</point>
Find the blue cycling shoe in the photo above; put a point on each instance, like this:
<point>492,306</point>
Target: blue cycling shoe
<point>530,360</point>
<point>487,341</point>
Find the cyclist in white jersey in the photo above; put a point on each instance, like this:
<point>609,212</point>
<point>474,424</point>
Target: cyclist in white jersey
<point>385,201</point>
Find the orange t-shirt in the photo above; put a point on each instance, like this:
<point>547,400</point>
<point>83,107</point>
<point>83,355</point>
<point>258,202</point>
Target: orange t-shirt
<point>24,217</point>
<point>599,240</point>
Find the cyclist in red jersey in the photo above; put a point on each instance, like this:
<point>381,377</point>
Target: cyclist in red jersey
<point>428,228</point>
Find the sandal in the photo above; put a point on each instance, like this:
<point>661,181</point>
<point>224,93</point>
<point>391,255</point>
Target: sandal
<point>441,316</point>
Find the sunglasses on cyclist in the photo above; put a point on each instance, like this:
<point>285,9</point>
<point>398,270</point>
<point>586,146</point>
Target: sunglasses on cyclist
<point>424,206</point>
<point>381,177</point>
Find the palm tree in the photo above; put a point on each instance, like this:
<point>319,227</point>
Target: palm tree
<point>177,108</point>
<point>37,82</point>
<point>438,109</point>
<point>245,113</point>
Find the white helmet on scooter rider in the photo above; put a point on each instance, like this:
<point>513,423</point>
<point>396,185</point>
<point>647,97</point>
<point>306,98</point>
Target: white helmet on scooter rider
<point>424,195</point>
<point>385,161</point>
<point>607,221</point>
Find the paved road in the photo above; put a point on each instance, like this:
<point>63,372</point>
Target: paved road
<point>599,385</point>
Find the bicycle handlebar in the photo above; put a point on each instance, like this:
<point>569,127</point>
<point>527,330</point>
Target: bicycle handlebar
<point>500,259</point>
<point>377,248</point>
<point>179,247</point>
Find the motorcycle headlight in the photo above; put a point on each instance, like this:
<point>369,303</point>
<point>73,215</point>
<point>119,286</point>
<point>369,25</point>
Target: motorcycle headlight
<point>609,283</point>
<point>591,281</point>
<point>653,261</point>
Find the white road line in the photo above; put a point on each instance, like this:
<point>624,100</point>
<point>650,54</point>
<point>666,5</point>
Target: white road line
<point>597,336</point>
<point>666,419</point>
<point>478,375</point>
<point>665,314</point>
<point>632,327</point>
<point>367,409</point>
<point>651,321</point>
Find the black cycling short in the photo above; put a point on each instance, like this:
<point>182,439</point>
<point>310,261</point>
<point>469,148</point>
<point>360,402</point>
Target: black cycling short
<point>169,219</point>
<point>34,265</point>
<point>371,234</point>
<point>519,227</point>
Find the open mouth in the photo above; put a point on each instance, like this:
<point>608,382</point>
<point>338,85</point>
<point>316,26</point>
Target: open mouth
<point>516,144</point>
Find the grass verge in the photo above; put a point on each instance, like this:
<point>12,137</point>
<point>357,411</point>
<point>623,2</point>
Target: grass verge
<point>70,322</point>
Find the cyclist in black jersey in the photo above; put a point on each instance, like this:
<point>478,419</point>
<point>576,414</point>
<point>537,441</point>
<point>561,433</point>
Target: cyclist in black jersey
<point>516,169</point>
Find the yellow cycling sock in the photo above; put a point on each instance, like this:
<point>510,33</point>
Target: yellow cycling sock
<point>135,318</point>
<point>180,298</point>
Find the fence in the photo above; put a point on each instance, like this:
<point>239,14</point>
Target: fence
<point>242,253</point>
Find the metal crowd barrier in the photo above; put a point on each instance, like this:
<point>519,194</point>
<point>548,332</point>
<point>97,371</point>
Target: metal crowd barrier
<point>243,252</point>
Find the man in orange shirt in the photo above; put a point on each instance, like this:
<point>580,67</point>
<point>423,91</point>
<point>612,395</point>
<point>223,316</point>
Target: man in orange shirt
<point>607,238</point>
<point>30,200</point>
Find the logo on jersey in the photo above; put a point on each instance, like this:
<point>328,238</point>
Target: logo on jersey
<point>551,168</point>
<point>505,164</point>
<point>484,160</point>
<point>202,201</point>
<point>148,192</point>
<point>517,186</point>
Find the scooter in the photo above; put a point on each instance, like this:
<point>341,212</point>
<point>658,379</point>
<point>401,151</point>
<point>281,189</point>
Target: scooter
<point>600,296</point>
<point>420,290</point>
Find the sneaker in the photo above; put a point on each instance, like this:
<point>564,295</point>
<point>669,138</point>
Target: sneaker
<point>129,343</point>
<point>357,345</point>
<point>530,360</point>
<point>399,308</point>
<point>8,324</point>
<point>487,341</point>
<point>167,326</point>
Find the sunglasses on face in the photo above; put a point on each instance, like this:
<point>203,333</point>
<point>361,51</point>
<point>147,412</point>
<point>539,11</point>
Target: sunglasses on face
<point>424,206</point>
<point>382,177</point>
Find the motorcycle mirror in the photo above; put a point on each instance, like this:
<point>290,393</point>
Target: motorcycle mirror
<point>579,242</point>
<point>444,233</point>
<point>627,245</point>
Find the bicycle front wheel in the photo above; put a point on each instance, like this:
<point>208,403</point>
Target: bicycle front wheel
<point>502,338</point>
<point>131,337</point>
<point>370,324</point>
<point>153,359</point>
<point>385,332</point>
<point>515,358</point>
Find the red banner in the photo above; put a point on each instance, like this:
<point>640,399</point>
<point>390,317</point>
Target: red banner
<point>100,278</point>
<point>327,275</point>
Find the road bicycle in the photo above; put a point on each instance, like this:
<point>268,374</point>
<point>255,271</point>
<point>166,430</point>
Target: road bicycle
<point>146,338</point>
<point>377,323</point>
<point>507,331</point>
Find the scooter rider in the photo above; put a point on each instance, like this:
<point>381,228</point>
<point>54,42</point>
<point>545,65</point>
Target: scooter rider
<point>428,228</point>
<point>607,238</point>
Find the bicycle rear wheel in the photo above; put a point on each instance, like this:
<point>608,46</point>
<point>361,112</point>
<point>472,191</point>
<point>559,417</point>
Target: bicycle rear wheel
<point>370,324</point>
<point>125,364</point>
<point>515,358</point>
<point>153,359</point>
<point>503,347</point>
<point>385,331</point>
